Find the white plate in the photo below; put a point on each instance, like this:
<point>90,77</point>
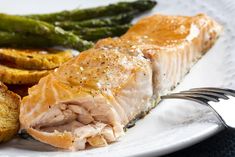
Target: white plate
<point>172,125</point>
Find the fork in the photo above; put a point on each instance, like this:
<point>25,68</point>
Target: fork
<point>221,101</point>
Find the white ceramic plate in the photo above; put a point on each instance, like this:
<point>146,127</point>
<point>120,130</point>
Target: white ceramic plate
<point>172,125</point>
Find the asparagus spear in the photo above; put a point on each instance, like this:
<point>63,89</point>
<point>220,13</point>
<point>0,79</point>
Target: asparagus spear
<point>94,34</point>
<point>20,40</point>
<point>101,22</point>
<point>11,39</point>
<point>84,14</point>
<point>55,35</point>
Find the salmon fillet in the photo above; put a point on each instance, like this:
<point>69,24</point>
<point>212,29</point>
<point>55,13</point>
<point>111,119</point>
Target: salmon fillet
<point>172,43</point>
<point>91,98</point>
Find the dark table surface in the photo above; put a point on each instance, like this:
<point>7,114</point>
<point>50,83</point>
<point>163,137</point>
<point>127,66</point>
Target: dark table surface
<point>220,145</point>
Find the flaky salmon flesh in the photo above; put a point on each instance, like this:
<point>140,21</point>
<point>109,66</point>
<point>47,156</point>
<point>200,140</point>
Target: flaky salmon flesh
<point>90,99</point>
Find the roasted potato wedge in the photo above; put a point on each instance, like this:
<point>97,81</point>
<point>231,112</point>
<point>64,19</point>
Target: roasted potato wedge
<point>9,113</point>
<point>34,59</point>
<point>10,75</point>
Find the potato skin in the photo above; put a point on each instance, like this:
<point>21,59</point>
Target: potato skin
<point>10,75</point>
<point>9,113</point>
<point>34,59</point>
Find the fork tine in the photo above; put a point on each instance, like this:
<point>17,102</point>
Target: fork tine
<point>206,96</point>
<point>215,95</point>
<point>176,96</point>
<point>198,96</point>
<point>218,90</point>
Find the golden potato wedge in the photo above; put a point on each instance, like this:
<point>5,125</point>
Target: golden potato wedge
<point>34,58</point>
<point>10,75</point>
<point>9,113</point>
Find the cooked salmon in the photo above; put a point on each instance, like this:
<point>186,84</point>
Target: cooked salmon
<point>91,98</point>
<point>172,43</point>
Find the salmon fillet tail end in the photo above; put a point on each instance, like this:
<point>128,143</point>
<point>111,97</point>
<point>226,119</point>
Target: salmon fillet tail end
<point>90,99</point>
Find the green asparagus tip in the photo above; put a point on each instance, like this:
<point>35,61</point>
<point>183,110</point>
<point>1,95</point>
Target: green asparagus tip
<point>144,5</point>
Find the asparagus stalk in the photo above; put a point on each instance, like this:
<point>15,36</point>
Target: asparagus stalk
<point>56,35</point>
<point>101,22</point>
<point>84,14</point>
<point>11,39</point>
<point>93,34</point>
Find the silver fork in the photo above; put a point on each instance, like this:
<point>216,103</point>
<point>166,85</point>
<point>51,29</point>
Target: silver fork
<point>222,101</point>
